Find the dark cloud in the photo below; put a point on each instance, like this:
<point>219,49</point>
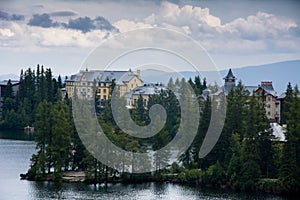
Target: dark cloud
<point>42,20</point>
<point>84,24</point>
<point>62,14</point>
<point>103,24</point>
<point>9,17</point>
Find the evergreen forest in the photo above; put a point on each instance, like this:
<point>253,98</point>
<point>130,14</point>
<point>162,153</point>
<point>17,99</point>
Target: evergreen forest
<point>246,157</point>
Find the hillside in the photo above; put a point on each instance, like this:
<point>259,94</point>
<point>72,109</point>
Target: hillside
<point>280,73</point>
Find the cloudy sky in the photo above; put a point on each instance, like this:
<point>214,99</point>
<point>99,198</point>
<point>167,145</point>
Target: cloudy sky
<point>61,34</point>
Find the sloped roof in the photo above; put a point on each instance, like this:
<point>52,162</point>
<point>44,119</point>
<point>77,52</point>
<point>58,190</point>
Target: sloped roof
<point>121,77</point>
<point>251,89</point>
<point>282,96</point>
<point>230,75</point>
<point>268,90</point>
<point>145,90</point>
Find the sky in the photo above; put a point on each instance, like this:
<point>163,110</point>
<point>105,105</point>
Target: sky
<point>62,34</point>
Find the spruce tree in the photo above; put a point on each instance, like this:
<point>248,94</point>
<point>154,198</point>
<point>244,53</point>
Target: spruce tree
<point>286,103</point>
<point>61,138</point>
<point>290,167</point>
<point>250,169</point>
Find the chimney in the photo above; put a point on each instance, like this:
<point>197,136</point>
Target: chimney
<point>138,73</point>
<point>263,83</point>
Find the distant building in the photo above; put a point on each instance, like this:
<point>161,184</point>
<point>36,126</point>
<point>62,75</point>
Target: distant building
<point>3,85</point>
<point>229,82</point>
<point>145,91</point>
<point>266,90</point>
<point>88,82</point>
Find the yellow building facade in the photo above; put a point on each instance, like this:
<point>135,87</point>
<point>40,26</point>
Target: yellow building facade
<point>86,84</point>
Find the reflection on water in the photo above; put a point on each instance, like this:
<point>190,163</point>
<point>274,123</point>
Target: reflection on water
<point>15,159</point>
<point>16,135</point>
<point>145,191</point>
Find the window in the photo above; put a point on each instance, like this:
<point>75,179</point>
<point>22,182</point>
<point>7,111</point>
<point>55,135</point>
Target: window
<point>269,106</point>
<point>269,98</point>
<point>269,113</point>
<point>104,91</point>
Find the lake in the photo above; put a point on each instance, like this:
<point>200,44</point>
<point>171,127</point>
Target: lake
<point>16,149</point>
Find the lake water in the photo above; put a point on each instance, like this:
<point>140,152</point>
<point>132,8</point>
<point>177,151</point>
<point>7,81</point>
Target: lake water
<point>16,150</point>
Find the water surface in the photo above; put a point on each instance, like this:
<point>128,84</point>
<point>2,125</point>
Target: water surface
<point>16,150</point>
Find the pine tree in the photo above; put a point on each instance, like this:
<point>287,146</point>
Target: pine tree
<point>59,82</point>
<point>203,127</point>
<point>286,103</point>
<point>290,167</point>
<point>43,128</point>
<point>190,115</point>
<point>61,138</point>
<point>8,90</point>
<point>235,122</point>
<point>234,167</point>
<point>140,109</point>
<point>198,86</point>
<point>250,169</point>
<point>171,84</point>
<point>49,85</point>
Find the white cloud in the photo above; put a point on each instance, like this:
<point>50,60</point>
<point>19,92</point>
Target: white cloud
<point>172,14</point>
<point>67,37</point>
<point>127,25</point>
<point>253,35</point>
<point>260,26</point>
<point>255,32</point>
<point>259,32</point>
<point>5,32</point>
<point>23,36</point>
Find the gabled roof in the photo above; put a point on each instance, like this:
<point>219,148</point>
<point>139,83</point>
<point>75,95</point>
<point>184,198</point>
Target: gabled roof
<point>230,75</point>
<point>121,77</point>
<point>145,90</point>
<point>282,96</point>
<point>251,89</point>
<point>268,90</point>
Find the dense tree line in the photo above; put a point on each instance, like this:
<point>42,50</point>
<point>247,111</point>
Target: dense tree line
<point>19,110</point>
<point>246,157</point>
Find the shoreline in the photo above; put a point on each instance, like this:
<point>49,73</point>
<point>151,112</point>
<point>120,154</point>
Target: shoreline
<point>81,177</point>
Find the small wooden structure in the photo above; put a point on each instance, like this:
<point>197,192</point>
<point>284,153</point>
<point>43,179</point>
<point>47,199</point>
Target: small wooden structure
<point>29,129</point>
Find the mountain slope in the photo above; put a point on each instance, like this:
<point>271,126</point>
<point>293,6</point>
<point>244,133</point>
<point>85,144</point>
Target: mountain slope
<point>279,73</point>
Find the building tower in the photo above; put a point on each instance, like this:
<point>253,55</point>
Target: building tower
<point>229,82</point>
